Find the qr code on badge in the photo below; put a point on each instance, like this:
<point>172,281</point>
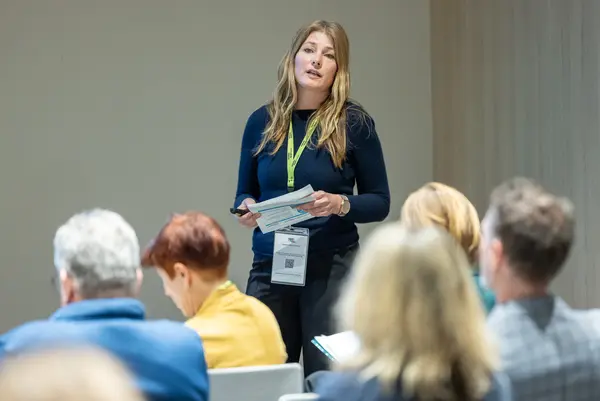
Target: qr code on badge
<point>289,263</point>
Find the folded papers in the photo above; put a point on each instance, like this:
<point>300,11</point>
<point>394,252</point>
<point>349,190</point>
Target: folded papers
<point>338,347</point>
<point>281,212</point>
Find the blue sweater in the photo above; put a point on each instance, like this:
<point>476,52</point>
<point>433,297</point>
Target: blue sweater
<point>264,177</point>
<point>166,358</point>
<point>349,386</point>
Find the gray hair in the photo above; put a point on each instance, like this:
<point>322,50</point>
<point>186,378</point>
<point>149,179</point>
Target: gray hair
<point>100,251</point>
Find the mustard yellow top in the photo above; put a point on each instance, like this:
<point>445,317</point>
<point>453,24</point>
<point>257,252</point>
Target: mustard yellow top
<point>237,330</point>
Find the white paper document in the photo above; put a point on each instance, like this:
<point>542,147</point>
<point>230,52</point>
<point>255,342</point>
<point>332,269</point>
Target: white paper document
<point>281,212</point>
<point>338,347</point>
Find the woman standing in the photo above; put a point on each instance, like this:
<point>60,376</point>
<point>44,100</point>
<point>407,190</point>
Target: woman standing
<point>311,133</point>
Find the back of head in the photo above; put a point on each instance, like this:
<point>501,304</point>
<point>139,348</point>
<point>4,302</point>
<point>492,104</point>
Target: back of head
<point>100,252</point>
<point>412,303</point>
<point>536,228</point>
<point>439,204</point>
<point>193,239</point>
<point>67,375</point>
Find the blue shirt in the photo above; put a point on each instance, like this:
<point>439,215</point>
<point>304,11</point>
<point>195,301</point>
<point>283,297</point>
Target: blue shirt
<point>264,177</point>
<point>166,358</point>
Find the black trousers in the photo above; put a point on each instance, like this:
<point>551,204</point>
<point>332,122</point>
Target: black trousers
<point>304,312</point>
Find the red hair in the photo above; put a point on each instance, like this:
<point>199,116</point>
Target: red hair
<point>192,238</point>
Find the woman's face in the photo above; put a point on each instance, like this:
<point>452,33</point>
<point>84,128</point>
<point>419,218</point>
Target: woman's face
<point>178,290</point>
<point>315,63</point>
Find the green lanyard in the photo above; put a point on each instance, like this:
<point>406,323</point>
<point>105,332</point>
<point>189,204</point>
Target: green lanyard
<point>292,159</point>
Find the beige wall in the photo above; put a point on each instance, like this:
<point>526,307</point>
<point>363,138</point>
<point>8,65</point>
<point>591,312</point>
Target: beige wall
<point>139,106</point>
<point>516,91</point>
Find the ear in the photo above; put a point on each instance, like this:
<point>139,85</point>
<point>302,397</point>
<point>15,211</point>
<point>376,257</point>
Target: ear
<point>183,273</point>
<point>67,288</point>
<point>139,278</point>
<point>497,253</point>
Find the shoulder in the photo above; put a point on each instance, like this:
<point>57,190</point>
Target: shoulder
<point>503,313</point>
<point>346,386</point>
<point>183,342</point>
<point>181,336</point>
<point>358,117</point>
<point>581,326</point>
<point>263,314</point>
<point>176,339</point>
<point>175,331</point>
<point>255,126</point>
<point>24,332</point>
<point>38,334</point>
<point>591,318</point>
<point>235,308</point>
<point>504,324</point>
<point>29,327</point>
<point>145,345</point>
<point>338,386</point>
<point>359,123</point>
<point>259,117</point>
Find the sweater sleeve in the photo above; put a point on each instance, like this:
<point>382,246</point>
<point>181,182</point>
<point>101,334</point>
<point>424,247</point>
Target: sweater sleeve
<point>247,185</point>
<point>372,202</point>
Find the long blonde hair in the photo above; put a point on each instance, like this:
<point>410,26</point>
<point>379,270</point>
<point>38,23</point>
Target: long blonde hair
<point>440,204</point>
<point>332,114</point>
<point>411,301</point>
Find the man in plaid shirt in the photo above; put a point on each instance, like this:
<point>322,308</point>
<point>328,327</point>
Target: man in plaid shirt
<point>550,351</point>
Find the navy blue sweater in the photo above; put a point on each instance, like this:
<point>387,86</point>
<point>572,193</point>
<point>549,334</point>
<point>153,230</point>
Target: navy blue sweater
<point>264,177</point>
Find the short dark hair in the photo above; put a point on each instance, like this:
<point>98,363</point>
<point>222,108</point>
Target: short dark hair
<point>192,238</point>
<point>536,228</point>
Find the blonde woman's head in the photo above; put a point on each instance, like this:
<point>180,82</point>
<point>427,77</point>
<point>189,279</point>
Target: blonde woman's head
<point>320,46</point>
<point>411,301</point>
<point>73,374</point>
<point>317,62</point>
<point>439,204</point>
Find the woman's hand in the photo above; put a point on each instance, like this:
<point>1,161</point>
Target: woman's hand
<point>325,204</point>
<point>249,219</point>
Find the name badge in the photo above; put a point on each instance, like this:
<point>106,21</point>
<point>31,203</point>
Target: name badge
<point>289,256</point>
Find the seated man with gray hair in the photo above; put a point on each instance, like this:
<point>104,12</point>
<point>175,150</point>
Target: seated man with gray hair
<point>97,259</point>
